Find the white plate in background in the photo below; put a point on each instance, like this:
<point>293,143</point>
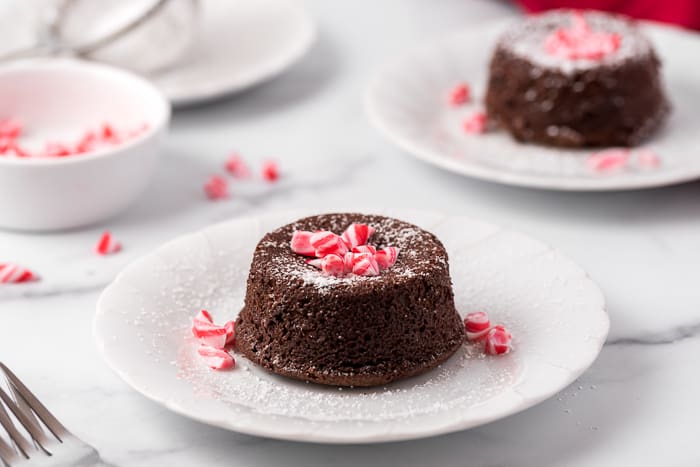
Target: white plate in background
<point>407,103</point>
<point>554,310</point>
<point>240,43</point>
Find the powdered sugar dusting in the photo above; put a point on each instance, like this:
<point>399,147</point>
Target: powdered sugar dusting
<point>527,39</point>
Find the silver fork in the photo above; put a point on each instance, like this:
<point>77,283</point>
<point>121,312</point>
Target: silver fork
<point>50,446</point>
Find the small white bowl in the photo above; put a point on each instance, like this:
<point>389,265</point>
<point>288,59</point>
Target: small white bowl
<point>58,100</point>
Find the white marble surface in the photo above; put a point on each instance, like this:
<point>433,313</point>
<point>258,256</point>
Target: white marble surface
<point>636,406</point>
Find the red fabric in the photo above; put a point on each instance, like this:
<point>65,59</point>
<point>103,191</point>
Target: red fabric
<point>684,13</point>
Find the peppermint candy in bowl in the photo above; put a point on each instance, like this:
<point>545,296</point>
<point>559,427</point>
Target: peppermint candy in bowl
<point>78,142</point>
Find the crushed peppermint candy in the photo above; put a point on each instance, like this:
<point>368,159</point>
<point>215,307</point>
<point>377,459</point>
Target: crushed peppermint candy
<point>270,171</point>
<point>460,94</point>
<point>216,359</point>
<point>338,255</point>
<point>648,159</point>
<point>236,166</point>
<point>497,339</point>
<point>214,339</point>
<point>579,42</point>
<point>216,188</point>
<point>475,123</point>
<point>104,137</point>
<point>15,274</point>
<point>477,325</point>
<point>608,160</point>
<point>106,245</point>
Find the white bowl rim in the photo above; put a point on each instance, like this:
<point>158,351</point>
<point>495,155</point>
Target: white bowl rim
<point>161,121</point>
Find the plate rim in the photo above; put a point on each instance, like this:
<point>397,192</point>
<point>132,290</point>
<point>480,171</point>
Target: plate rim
<point>321,437</point>
<point>270,71</point>
<point>511,178</point>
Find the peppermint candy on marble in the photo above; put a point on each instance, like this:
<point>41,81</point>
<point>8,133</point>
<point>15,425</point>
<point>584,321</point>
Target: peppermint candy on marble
<point>477,325</point>
<point>216,188</point>
<point>498,341</point>
<point>357,234</point>
<point>460,94</point>
<point>237,167</point>
<point>270,171</point>
<point>15,274</point>
<point>328,243</point>
<point>216,359</point>
<point>475,123</point>
<point>107,245</point>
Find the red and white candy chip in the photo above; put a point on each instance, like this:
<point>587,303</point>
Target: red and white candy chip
<point>301,243</point>
<point>15,274</point>
<point>237,167</point>
<point>216,188</point>
<point>204,329</point>
<point>328,243</point>
<point>365,249</point>
<point>10,128</point>
<point>608,160</point>
<point>270,171</point>
<point>498,341</point>
<point>648,159</point>
<point>475,123</point>
<point>107,245</point>
<point>364,264</point>
<point>477,325</point>
<point>460,94</point>
<point>386,257</point>
<point>216,359</point>
<point>333,265</point>
<point>349,261</point>
<point>357,234</point>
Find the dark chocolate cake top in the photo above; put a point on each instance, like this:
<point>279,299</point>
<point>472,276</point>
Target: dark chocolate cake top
<point>527,38</point>
<point>421,253</point>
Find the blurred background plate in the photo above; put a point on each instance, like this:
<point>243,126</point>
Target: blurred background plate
<point>407,102</point>
<point>241,43</point>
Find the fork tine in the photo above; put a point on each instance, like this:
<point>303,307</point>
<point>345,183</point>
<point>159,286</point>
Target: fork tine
<point>28,424</point>
<point>51,422</point>
<point>7,453</point>
<point>16,437</point>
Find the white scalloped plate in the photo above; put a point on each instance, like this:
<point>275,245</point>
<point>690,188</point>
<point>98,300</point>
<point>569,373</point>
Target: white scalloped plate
<point>407,103</point>
<point>554,310</point>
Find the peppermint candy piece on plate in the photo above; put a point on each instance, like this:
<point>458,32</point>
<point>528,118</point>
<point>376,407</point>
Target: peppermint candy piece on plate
<point>475,123</point>
<point>498,341</point>
<point>608,160</point>
<point>460,94</point>
<point>216,359</point>
<point>357,234</point>
<point>213,335</point>
<point>270,171</point>
<point>107,245</point>
<point>477,325</point>
<point>15,274</point>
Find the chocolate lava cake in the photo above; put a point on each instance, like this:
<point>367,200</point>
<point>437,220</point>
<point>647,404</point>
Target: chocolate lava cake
<point>350,330</point>
<point>576,79</point>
